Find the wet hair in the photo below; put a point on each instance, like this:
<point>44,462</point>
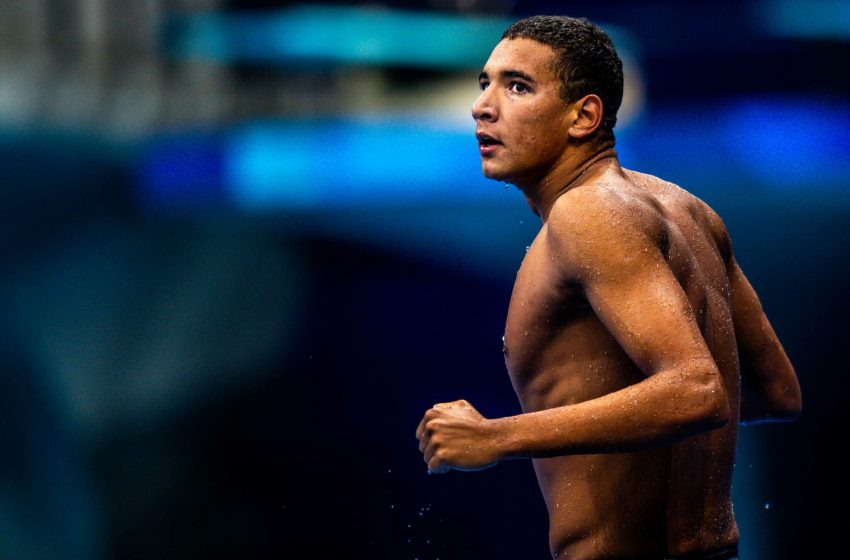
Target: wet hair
<point>585,59</point>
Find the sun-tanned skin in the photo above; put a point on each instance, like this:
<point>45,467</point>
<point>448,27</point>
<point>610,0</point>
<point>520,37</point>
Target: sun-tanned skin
<point>630,332</point>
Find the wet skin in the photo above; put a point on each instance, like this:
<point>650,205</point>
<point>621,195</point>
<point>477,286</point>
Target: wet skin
<point>630,334</point>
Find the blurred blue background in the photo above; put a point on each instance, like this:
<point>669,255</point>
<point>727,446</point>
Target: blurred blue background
<point>246,244</point>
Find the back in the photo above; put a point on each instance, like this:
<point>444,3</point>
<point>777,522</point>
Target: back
<point>699,507</point>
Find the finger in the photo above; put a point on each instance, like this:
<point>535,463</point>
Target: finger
<point>436,466</point>
<point>434,457</point>
<point>428,449</point>
<point>461,403</point>
<point>420,428</point>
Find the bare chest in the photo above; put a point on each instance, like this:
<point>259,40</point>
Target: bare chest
<point>541,307</point>
<point>556,349</point>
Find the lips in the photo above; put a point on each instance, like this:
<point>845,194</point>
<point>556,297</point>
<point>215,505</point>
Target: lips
<point>487,144</point>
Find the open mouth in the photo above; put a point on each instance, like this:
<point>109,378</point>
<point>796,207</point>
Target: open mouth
<point>487,145</point>
<point>486,140</point>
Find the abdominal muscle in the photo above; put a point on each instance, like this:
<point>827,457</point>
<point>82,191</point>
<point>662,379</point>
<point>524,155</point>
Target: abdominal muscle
<point>666,500</point>
<point>609,505</point>
<point>606,505</point>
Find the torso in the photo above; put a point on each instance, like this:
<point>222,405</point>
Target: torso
<point>662,501</point>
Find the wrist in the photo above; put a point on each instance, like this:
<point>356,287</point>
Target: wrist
<point>504,437</point>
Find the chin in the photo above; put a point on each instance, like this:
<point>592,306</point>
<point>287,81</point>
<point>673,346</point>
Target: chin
<point>491,173</point>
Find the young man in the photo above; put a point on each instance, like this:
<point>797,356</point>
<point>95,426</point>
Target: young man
<point>631,330</point>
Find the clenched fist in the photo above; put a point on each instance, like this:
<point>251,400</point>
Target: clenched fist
<point>455,436</point>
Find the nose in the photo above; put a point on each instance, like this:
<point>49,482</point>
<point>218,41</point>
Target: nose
<point>484,108</point>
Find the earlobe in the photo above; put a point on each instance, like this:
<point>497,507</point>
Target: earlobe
<point>588,118</point>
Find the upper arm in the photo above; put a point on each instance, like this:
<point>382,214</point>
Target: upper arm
<point>766,372</point>
<point>765,367</point>
<point>612,250</point>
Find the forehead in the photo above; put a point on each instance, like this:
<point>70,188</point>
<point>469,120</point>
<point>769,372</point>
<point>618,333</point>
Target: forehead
<point>527,55</point>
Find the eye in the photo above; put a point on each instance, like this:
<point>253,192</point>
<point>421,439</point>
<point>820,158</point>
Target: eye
<point>518,87</point>
<point>483,84</point>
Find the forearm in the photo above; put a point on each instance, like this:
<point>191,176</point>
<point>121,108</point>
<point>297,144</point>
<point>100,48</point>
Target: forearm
<point>664,408</point>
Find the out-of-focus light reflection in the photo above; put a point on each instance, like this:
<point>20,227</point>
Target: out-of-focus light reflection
<point>338,34</point>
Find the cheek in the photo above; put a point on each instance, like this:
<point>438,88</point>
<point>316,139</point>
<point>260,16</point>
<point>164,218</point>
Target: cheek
<point>539,138</point>
<point>530,130</point>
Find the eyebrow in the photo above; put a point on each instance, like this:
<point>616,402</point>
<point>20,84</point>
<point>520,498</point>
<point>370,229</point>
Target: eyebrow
<point>509,74</point>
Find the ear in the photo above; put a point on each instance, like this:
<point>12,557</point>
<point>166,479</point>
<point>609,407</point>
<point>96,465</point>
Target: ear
<point>589,112</point>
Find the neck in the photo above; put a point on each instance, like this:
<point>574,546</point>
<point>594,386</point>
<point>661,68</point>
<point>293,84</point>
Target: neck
<point>570,171</point>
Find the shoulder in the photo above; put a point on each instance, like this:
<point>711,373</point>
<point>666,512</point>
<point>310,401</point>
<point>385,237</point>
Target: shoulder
<point>598,211</point>
<point>597,226</point>
<point>717,228</point>
<point>698,210</point>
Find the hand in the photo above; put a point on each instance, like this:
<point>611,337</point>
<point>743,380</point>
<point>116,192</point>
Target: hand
<point>455,436</point>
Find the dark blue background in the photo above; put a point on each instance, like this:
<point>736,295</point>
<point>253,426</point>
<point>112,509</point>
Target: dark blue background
<point>187,377</point>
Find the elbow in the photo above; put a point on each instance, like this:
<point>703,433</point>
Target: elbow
<point>796,409</point>
<point>712,410</point>
<point>786,402</point>
<point>793,400</point>
<point>789,408</point>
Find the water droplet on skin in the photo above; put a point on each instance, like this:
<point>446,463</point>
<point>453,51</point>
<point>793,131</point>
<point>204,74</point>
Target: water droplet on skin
<point>527,247</point>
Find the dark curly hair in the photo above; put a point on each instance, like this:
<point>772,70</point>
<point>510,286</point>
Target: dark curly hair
<point>585,59</point>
